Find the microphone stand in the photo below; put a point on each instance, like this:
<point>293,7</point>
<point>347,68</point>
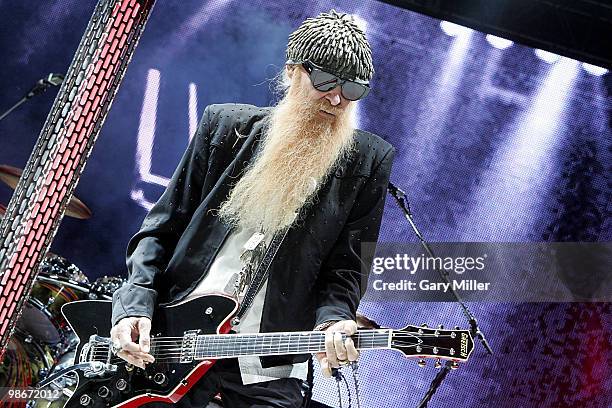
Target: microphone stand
<point>402,201</point>
<point>38,88</point>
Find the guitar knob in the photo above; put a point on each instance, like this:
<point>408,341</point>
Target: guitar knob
<point>454,365</point>
<point>438,363</point>
<point>85,400</point>
<point>421,363</point>
<point>159,378</point>
<point>441,326</point>
<point>424,325</point>
<point>121,384</point>
<point>457,328</point>
<point>103,392</point>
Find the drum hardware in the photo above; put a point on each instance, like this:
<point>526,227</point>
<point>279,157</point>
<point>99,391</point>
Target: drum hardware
<point>39,87</point>
<point>76,208</point>
<point>104,287</point>
<point>58,282</point>
<point>25,362</point>
<point>42,350</point>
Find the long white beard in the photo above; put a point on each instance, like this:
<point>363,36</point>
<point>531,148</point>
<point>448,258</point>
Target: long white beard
<point>299,150</point>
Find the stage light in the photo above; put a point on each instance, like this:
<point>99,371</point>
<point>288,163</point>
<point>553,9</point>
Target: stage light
<point>192,113</point>
<point>526,162</point>
<point>594,69</point>
<point>498,42</point>
<point>546,56</point>
<point>453,29</point>
<point>145,140</point>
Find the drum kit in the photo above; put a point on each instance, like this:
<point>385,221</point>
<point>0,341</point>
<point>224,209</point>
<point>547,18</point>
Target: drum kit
<point>43,342</point>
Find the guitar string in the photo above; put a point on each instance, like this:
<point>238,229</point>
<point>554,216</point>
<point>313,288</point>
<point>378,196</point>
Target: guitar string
<point>228,353</point>
<point>287,348</point>
<point>102,350</point>
<point>385,332</point>
<point>161,357</point>
<point>249,338</point>
<point>177,358</point>
<point>163,352</point>
<point>257,342</point>
<point>245,344</point>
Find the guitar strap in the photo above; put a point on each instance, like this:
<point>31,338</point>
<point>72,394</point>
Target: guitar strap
<point>260,276</point>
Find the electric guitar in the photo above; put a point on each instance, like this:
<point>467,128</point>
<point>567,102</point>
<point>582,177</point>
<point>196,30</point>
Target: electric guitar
<point>184,353</point>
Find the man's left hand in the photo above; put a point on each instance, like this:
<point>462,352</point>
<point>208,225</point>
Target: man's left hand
<point>337,351</point>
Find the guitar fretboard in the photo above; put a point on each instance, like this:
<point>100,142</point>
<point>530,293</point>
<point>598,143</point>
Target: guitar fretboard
<point>262,344</point>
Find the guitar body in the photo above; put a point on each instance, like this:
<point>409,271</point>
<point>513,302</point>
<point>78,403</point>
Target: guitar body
<point>130,386</point>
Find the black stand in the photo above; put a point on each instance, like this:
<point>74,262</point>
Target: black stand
<point>39,87</point>
<point>402,201</point>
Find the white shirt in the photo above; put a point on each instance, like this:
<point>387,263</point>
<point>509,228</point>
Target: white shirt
<point>221,277</point>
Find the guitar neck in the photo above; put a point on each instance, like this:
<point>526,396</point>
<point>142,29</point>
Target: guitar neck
<point>210,346</point>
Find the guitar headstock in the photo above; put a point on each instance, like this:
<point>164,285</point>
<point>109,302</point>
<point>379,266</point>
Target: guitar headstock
<point>424,342</point>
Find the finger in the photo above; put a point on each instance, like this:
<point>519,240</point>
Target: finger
<point>325,367</point>
<point>131,359</point>
<point>319,356</point>
<point>125,339</point>
<point>148,358</point>
<point>330,352</point>
<point>140,355</point>
<point>339,346</point>
<point>350,327</point>
<point>123,355</point>
<point>113,334</point>
<point>144,330</point>
<point>351,351</point>
<point>129,354</point>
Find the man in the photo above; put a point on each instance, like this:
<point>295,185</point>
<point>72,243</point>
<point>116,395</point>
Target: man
<point>299,168</point>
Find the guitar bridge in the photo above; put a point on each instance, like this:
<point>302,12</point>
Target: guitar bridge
<point>189,345</point>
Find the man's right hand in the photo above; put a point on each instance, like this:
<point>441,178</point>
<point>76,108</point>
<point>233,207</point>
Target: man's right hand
<point>124,336</point>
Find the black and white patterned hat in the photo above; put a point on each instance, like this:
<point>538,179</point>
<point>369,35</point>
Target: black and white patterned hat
<point>334,42</point>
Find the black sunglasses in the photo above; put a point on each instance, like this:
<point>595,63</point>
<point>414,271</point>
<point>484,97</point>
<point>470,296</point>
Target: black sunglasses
<point>325,81</point>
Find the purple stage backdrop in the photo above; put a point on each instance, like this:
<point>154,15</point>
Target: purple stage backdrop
<point>496,142</point>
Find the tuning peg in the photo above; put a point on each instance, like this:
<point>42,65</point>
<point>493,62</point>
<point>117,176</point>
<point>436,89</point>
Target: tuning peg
<point>421,363</point>
<point>457,328</point>
<point>454,365</point>
<point>424,325</point>
<point>440,326</point>
<point>438,363</point>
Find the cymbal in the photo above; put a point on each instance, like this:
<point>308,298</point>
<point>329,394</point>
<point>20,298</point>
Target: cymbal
<point>76,208</point>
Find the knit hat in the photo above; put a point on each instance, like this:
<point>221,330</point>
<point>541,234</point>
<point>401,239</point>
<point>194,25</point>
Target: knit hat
<point>334,42</point>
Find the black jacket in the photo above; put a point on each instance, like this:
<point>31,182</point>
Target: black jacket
<point>317,273</point>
